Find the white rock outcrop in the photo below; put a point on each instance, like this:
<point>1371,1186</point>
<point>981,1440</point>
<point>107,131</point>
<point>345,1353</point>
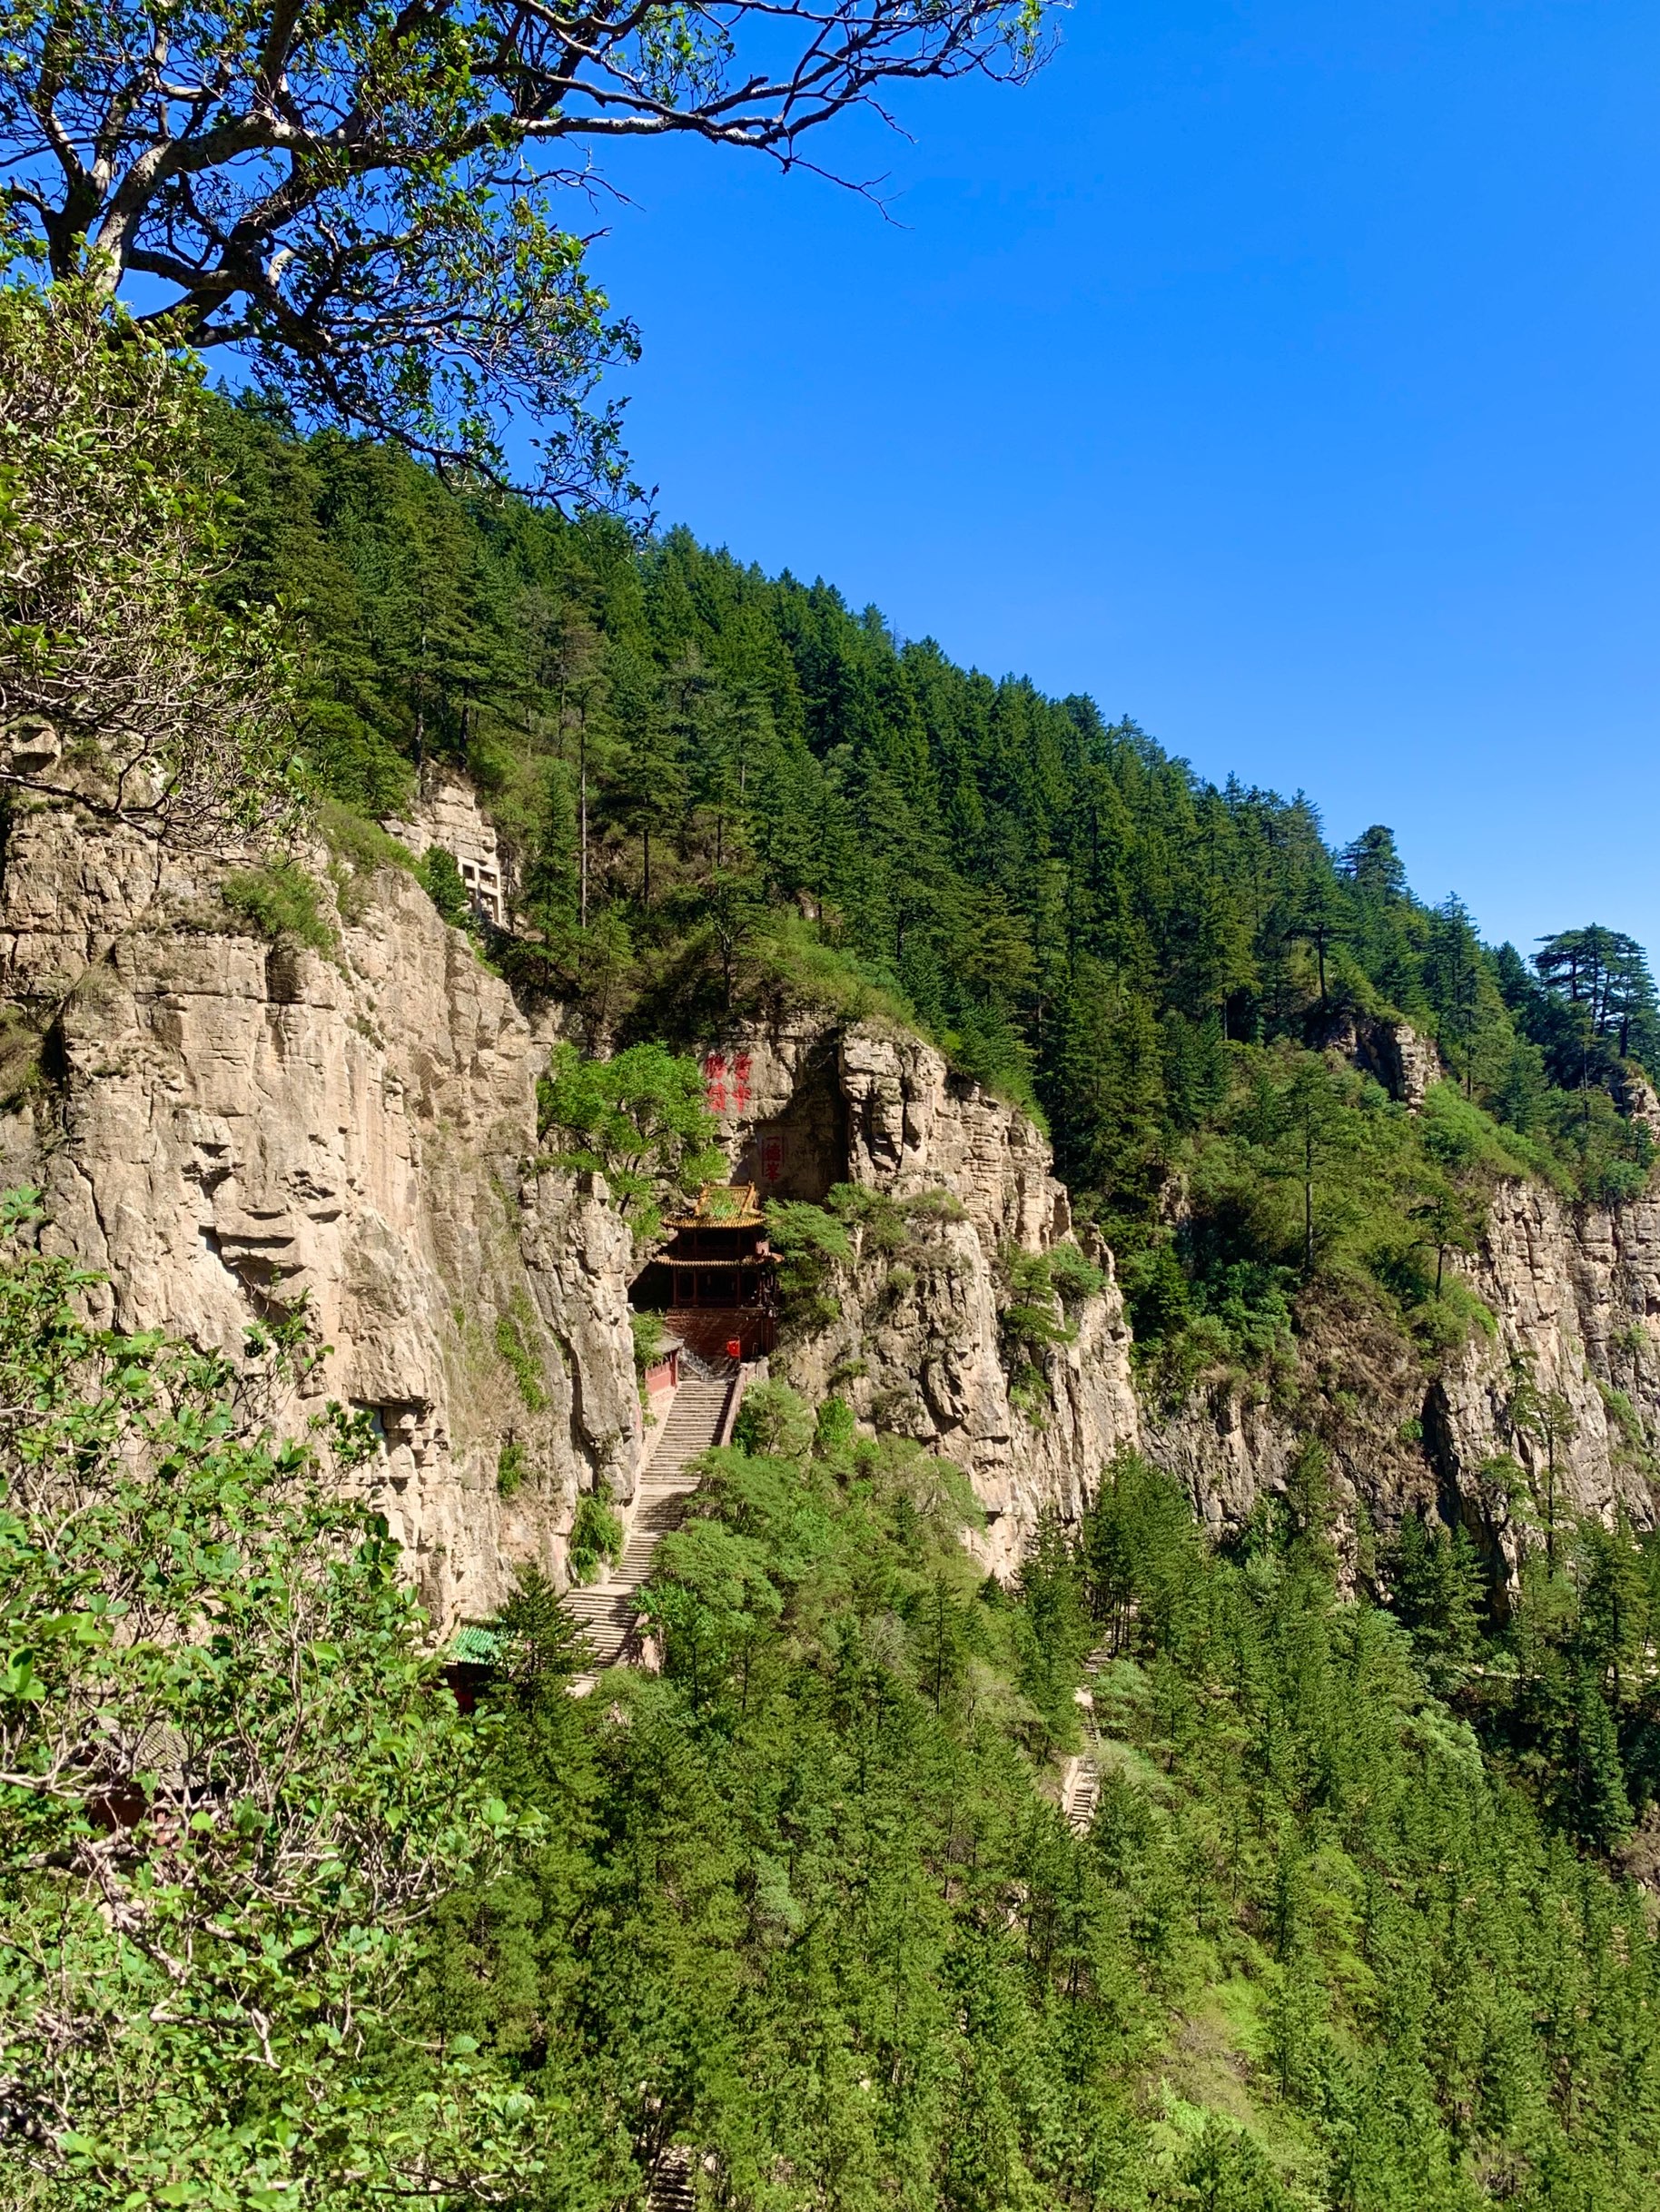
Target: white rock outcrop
<point>916,1343</point>
<point>227,1128</point>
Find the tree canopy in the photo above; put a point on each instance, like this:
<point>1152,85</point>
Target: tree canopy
<point>383,209</point>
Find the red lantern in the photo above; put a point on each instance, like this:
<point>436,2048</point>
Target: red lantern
<point>735,1349</point>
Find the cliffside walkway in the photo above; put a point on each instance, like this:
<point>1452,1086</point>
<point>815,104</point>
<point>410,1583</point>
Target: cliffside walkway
<point>702,1415</point>
<point>1080,1780</point>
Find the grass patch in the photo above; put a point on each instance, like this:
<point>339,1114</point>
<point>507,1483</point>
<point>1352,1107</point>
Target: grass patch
<point>20,1058</point>
<point>281,901</point>
<point>511,1469</point>
<point>513,1342</point>
<point>361,844</point>
<point>809,973</point>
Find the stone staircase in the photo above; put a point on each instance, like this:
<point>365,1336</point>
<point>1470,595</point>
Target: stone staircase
<point>1080,1783</point>
<point>671,2187</point>
<point>606,1610</point>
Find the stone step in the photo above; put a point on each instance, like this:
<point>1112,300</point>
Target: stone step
<point>1082,1798</point>
<point>671,2187</point>
<point>607,1611</point>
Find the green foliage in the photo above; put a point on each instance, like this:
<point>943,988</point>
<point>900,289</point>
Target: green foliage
<point>515,1334</point>
<point>123,684</point>
<point>1073,1277</point>
<point>234,1793</point>
<point>804,1901</point>
<point>809,1243</point>
<point>538,1644</point>
<point>1291,1808</point>
<point>384,245</point>
<point>596,1535</point>
<point>1438,1590</point>
<point>814,1915</point>
<point>640,1119</point>
<point>649,1335</point>
<point>1558,1682</point>
<point>512,1467</point>
<point>772,1422</point>
<point>279,900</point>
<point>784,806</point>
<point>282,901</point>
<point>1038,1290</point>
<point>357,840</point>
<point>440,877</point>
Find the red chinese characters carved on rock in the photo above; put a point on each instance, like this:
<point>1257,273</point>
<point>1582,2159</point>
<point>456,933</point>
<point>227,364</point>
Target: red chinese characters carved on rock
<point>726,1082</point>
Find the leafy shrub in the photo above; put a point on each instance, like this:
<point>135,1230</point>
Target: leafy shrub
<point>1073,1277</point>
<point>441,878</point>
<point>773,1421</point>
<point>236,1788</point>
<point>1032,1318</point>
<point>793,958</point>
<point>639,1119</point>
<point>881,1221</point>
<point>1623,1417</point>
<point>281,901</point>
<point>649,1334</point>
<point>809,1244</point>
<point>20,1057</point>
<point>1457,1133</point>
<point>358,840</point>
<point>935,1204</point>
<point>835,1429</point>
<point>596,1535</point>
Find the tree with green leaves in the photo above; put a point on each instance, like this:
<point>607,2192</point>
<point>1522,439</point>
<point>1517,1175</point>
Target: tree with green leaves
<point>1319,918</point>
<point>232,1792</point>
<point>1547,1418</point>
<point>1301,1123</point>
<point>1604,976</point>
<point>1447,1221</point>
<point>124,688</point>
<point>639,1118</point>
<point>367,205</point>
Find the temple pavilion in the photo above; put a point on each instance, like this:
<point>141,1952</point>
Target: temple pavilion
<point>715,1283</point>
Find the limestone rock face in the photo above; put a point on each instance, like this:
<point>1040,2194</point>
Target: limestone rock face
<point>1392,1052</point>
<point>446,813</point>
<point>230,1128</point>
<point>1575,1297</point>
<point>915,1340</point>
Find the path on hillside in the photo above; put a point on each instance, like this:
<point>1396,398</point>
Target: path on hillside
<point>1080,1780</point>
<point>607,1610</point>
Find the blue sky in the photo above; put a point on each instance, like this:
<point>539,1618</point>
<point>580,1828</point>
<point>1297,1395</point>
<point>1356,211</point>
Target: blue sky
<point>1283,376</point>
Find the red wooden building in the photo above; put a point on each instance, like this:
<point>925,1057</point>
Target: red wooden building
<point>715,1282</point>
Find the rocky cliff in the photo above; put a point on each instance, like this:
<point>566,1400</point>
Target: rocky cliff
<point>916,1340</point>
<point>1572,1293</point>
<point>230,1128</point>
<point>232,1123</point>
